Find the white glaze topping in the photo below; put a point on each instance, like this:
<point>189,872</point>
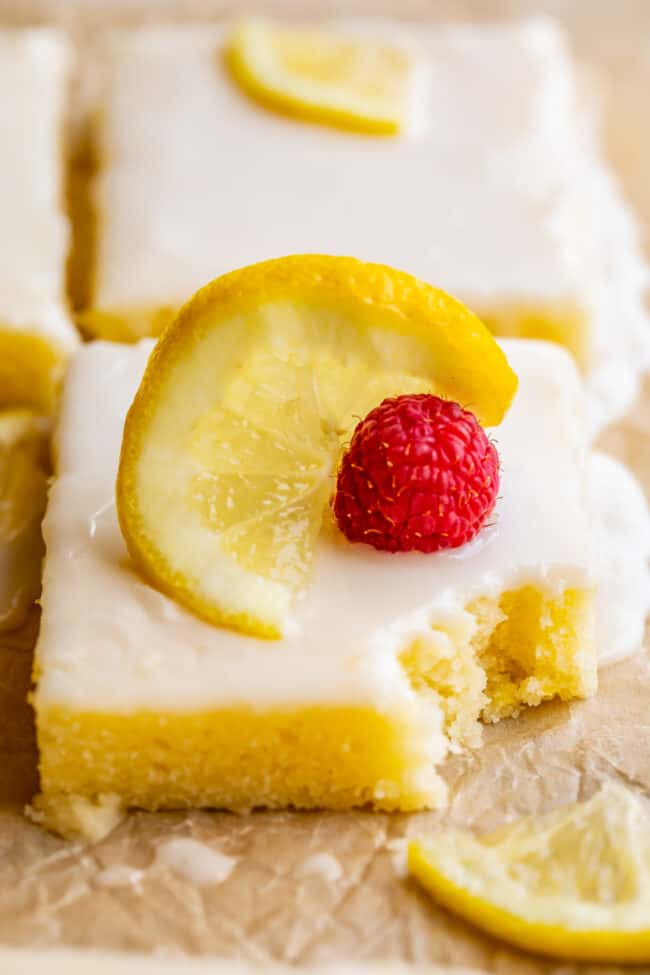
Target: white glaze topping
<point>500,198</point>
<point>110,641</point>
<point>33,229</point>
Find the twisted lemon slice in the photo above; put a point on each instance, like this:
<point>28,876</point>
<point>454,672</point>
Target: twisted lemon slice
<point>572,884</point>
<point>233,438</point>
<point>351,83</point>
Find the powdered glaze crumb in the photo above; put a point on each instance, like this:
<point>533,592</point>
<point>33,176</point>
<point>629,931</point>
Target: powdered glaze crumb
<point>323,865</point>
<point>195,862</point>
<point>119,876</point>
<point>76,817</point>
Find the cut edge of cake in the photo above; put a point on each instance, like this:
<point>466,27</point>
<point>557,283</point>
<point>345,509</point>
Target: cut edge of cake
<point>516,651</point>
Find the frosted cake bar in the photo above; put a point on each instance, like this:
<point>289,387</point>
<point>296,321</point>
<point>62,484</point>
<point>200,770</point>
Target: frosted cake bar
<point>36,335</point>
<point>350,707</point>
<point>500,196</point>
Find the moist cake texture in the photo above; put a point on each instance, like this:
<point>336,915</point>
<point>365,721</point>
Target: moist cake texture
<point>388,661</point>
<point>499,191</point>
<point>36,335</point>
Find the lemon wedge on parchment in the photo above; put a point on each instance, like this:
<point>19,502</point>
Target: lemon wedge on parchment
<point>572,884</point>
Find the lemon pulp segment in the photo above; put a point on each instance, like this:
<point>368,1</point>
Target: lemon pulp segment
<point>353,83</point>
<point>231,445</point>
<point>571,884</point>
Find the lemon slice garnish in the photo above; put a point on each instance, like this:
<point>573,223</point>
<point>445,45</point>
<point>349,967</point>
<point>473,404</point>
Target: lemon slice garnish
<point>572,884</point>
<point>23,489</point>
<point>232,441</point>
<point>360,84</point>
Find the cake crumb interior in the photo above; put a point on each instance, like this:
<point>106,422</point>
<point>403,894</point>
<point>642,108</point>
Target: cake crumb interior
<point>520,649</point>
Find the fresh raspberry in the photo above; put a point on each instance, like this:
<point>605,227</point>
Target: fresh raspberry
<point>420,474</point>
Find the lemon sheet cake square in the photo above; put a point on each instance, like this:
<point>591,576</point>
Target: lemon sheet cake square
<point>496,191</point>
<point>388,660</point>
<point>36,335</point>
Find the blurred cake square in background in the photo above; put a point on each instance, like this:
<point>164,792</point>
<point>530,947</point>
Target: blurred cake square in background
<point>494,188</point>
<point>36,334</point>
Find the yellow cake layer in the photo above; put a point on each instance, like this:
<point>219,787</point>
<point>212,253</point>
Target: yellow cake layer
<point>565,324</point>
<point>31,370</point>
<point>522,649</point>
<point>238,758</point>
<point>127,325</point>
<point>525,648</point>
<point>540,649</point>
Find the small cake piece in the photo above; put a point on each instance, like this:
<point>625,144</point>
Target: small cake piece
<point>36,335</point>
<point>496,188</point>
<point>388,661</point>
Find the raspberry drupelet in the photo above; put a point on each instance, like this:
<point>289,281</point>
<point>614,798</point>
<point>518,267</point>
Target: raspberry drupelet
<point>420,475</point>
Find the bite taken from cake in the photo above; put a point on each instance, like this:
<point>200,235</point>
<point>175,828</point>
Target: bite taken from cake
<point>350,526</point>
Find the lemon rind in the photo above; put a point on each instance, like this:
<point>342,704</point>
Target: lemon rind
<point>385,298</point>
<point>273,93</point>
<point>381,297</point>
<point>552,939</point>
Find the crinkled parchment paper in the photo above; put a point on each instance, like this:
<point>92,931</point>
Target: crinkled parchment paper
<point>326,887</point>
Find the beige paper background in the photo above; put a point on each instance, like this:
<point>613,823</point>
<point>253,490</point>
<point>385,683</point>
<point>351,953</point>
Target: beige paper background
<point>272,905</point>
